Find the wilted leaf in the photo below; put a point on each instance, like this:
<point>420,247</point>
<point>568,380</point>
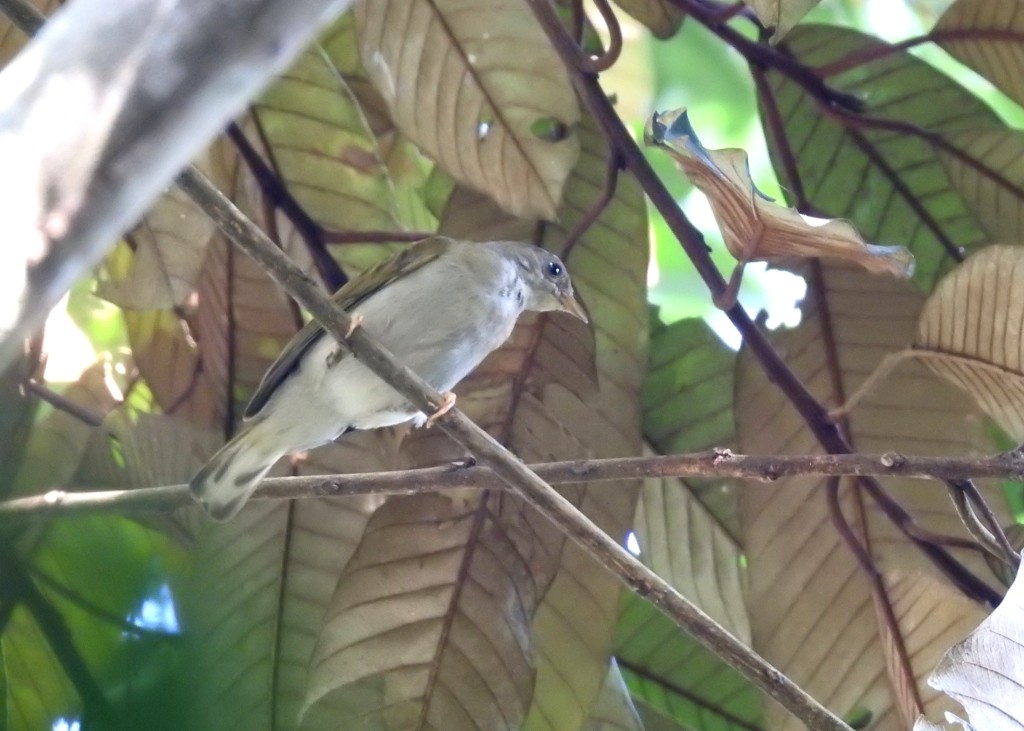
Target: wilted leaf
<point>971,332</point>
<point>614,709</point>
<point>662,17</point>
<point>781,15</point>
<point>319,142</point>
<point>813,610</point>
<point>986,35</point>
<point>466,80</point>
<point>753,227</point>
<point>985,671</point>
<point>886,180</point>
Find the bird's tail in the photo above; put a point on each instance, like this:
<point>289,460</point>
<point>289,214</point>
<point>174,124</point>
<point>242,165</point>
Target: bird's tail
<point>229,478</point>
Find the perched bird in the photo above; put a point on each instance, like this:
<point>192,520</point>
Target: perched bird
<point>439,306</point>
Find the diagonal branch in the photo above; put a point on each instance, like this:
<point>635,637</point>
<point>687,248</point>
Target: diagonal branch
<point>509,468</point>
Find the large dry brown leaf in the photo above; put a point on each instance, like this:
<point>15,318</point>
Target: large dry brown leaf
<point>753,226</point>
<point>971,332</point>
<point>538,395</point>
<point>259,587</point>
<point>467,81</point>
<point>429,625</point>
<point>812,610</point>
<point>987,35</point>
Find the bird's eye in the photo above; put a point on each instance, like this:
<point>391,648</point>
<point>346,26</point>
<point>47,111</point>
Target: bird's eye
<point>554,269</point>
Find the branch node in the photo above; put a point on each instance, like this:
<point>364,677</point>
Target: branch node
<point>893,460</point>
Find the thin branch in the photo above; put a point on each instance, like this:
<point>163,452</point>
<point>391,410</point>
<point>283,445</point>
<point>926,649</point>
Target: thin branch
<point>27,18</point>
<point>720,463</point>
<point>603,62</point>
<point>63,403</point>
<point>692,242</point>
<point>374,237</point>
<point>626,567</point>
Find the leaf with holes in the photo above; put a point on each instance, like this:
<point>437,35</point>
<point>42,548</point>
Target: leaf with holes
<point>781,15</point>
<point>467,81</point>
<point>854,644</point>
<point>753,227</point>
<point>971,332</point>
<point>986,35</point>
<point>869,150</point>
<point>985,671</point>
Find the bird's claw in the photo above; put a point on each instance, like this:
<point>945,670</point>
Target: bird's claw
<point>447,402</point>
<point>355,321</point>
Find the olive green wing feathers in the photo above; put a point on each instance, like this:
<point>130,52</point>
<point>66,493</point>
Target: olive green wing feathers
<point>349,296</point>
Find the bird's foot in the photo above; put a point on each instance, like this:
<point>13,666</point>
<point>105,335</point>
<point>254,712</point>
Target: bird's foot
<point>447,402</point>
<point>355,321</point>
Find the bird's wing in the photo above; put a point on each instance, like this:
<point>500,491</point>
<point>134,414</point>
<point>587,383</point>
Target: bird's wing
<point>349,296</point>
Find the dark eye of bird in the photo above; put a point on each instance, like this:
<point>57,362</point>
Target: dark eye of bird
<point>554,269</point>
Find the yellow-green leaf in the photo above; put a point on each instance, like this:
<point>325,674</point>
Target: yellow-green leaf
<point>781,15</point>
<point>987,35</point>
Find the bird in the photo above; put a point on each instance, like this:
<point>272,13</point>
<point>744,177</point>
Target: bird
<point>440,306</point>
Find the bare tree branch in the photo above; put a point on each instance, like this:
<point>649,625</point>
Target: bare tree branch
<point>720,463</point>
<point>91,130</point>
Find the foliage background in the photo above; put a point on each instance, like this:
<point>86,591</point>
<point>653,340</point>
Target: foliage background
<point>349,612</point>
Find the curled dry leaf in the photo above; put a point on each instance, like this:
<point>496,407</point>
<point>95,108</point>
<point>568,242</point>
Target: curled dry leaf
<point>469,89</point>
<point>985,672</point>
<point>971,332</point>
<point>753,226</point>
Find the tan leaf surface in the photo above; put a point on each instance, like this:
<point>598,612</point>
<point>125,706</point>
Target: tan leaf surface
<point>12,39</point>
<point>429,625</point>
<point>661,17</point>
<point>988,170</point>
<point>322,147</point>
<point>614,710</point>
<point>986,35</point>
<point>812,610</point>
<point>781,15</point>
<point>755,228</point>
<point>258,591</point>
<point>971,332</point>
<point>466,80</point>
<point>160,265</point>
<point>985,672</point>
<point>568,417</point>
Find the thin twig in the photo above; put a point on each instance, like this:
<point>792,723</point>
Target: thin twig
<point>374,237</point>
<point>609,553</point>
<point>720,463</point>
<point>63,403</point>
<point>604,61</point>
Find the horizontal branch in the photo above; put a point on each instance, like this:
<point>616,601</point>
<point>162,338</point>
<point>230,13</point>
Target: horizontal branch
<point>718,463</point>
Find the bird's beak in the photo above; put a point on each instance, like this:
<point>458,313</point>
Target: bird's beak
<point>572,305</point>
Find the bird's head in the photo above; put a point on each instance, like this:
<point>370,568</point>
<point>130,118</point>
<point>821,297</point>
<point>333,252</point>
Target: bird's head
<point>547,283</point>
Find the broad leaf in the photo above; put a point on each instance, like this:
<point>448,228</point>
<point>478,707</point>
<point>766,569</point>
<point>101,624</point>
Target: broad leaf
<point>869,158</point>
<point>985,671</point>
<point>814,612</point>
<point>614,710</point>
<point>971,332</point>
<point>781,15</point>
<point>986,35</point>
<point>468,82</point>
<point>662,17</point>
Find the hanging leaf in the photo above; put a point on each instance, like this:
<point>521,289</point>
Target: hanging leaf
<point>867,156</point>
<point>753,227</point>
<point>985,671</point>
<point>986,35</point>
<point>814,613</point>
<point>470,89</point>
<point>971,332</point>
